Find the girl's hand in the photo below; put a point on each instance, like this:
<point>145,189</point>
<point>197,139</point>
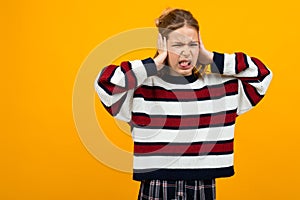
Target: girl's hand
<point>205,57</point>
<point>162,52</point>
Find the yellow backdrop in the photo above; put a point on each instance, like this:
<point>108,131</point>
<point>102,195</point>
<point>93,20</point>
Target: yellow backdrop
<point>43,45</point>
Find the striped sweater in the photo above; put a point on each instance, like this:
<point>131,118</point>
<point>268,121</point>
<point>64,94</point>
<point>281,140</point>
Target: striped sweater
<point>183,127</point>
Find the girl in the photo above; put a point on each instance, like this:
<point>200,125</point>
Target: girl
<point>182,117</point>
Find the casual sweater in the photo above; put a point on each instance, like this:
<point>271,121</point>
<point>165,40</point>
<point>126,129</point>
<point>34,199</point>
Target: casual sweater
<point>183,127</point>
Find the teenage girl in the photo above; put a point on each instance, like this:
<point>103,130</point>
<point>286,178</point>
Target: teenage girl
<point>182,107</point>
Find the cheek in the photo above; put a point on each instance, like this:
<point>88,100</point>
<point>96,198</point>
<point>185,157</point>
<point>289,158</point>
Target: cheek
<point>173,58</point>
<point>195,53</point>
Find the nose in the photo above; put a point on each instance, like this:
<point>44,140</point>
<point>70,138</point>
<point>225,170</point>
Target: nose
<point>185,51</point>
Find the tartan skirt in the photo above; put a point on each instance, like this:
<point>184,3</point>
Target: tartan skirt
<point>177,190</point>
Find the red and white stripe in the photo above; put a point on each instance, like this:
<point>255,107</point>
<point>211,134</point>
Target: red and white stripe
<point>180,128</point>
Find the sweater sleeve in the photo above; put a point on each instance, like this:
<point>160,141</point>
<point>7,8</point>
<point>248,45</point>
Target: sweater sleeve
<point>254,77</point>
<point>115,85</point>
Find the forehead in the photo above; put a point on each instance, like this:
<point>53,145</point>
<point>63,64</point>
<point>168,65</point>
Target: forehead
<point>184,34</point>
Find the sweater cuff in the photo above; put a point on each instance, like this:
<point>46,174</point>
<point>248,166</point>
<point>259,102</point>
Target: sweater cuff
<point>150,66</point>
<point>218,65</point>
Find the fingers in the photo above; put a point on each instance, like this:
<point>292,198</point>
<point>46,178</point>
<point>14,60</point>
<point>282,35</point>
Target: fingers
<point>161,43</point>
<point>162,52</point>
<point>205,57</point>
<point>165,44</point>
<point>200,41</point>
<point>200,38</point>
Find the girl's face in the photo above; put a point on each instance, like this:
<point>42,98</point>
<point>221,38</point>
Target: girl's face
<point>183,50</point>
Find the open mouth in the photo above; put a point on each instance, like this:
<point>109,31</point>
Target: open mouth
<point>184,63</point>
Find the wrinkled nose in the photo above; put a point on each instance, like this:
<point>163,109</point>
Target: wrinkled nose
<point>186,52</point>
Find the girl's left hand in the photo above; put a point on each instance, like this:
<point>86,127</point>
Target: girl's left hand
<point>205,57</point>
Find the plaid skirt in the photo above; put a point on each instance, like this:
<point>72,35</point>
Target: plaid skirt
<point>177,190</point>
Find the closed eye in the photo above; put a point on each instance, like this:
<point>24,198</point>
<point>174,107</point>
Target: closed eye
<point>177,45</point>
<point>194,44</point>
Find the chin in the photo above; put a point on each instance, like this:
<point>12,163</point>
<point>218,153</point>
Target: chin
<point>185,72</point>
<point>179,71</point>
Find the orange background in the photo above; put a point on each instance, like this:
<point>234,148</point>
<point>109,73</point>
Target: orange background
<point>43,44</point>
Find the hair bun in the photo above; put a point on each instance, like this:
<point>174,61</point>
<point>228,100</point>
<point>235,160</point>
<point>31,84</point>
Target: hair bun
<point>157,22</point>
<point>174,18</point>
<point>163,15</point>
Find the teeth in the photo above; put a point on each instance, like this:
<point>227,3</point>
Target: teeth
<point>184,63</point>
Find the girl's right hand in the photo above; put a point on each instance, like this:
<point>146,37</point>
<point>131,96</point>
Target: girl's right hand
<point>162,52</point>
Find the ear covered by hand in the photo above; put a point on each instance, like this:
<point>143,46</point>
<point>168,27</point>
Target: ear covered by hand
<point>162,52</point>
<point>205,57</point>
